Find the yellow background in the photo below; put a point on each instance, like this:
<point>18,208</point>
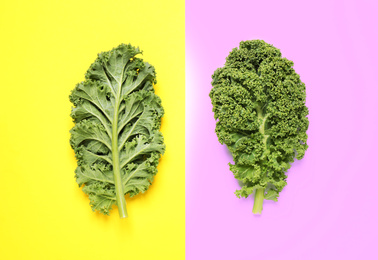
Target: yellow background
<point>45,49</point>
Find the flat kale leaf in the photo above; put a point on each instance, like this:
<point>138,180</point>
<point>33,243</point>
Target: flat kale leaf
<point>116,136</point>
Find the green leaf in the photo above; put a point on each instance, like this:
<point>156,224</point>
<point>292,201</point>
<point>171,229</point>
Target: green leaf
<point>116,136</point>
<point>259,103</point>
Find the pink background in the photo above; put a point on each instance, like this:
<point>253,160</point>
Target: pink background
<point>329,209</point>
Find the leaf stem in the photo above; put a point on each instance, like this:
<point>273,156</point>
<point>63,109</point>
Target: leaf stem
<point>259,199</point>
<point>262,126</point>
<point>120,196</point>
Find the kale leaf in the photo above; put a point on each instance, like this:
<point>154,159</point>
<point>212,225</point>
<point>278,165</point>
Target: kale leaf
<point>259,104</point>
<point>116,136</point>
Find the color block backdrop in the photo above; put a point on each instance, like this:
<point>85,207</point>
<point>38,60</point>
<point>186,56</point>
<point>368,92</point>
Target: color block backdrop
<point>328,210</point>
<point>45,49</point>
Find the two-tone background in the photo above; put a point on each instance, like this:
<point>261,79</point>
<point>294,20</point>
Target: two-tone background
<point>329,208</point>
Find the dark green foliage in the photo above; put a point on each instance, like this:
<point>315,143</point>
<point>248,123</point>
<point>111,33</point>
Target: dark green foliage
<point>259,103</point>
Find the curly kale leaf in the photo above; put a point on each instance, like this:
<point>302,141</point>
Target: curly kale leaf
<point>116,136</point>
<point>259,104</point>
